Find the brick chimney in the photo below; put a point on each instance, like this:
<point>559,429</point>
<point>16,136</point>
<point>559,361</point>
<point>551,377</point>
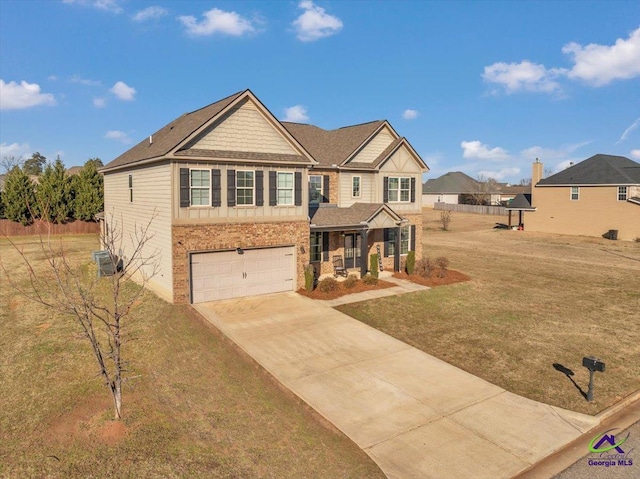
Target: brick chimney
<point>536,174</point>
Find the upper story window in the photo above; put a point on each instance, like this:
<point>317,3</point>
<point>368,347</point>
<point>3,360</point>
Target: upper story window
<point>622,193</point>
<point>355,187</point>
<point>200,181</point>
<point>245,184</point>
<point>315,189</point>
<point>575,193</point>
<point>285,188</point>
<point>400,189</point>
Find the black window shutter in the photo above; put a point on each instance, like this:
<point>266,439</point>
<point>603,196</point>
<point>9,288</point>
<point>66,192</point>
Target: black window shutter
<point>297,188</point>
<point>273,189</point>
<point>216,193</point>
<point>325,246</point>
<point>413,238</point>
<point>231,187</point>
<point>413,190</point>
<point>385,190</point>
<point>386,242</point>
<point>259,188</point>
<point>185,193</point>
<point>325,189</point>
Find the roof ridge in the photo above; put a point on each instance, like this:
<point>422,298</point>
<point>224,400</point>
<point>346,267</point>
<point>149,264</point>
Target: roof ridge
<point>358,124</point>
<point>214,102</point>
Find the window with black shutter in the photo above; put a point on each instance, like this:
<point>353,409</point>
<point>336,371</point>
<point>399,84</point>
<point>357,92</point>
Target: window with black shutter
<point>216,188</point>
<point>259,188</point>
<point>231,187</point>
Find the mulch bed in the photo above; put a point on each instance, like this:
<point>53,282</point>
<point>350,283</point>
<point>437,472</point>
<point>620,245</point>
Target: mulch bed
<point>450,277</point>
<point>358,288</point>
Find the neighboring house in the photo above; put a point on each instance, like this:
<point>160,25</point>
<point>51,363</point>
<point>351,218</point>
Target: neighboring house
<point>508,192</point>
<point>590,198</point>
<point>455,188</point>
<point>241,202</point>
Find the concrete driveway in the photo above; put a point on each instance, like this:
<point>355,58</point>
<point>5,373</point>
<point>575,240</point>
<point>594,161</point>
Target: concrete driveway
<point>416,416</point>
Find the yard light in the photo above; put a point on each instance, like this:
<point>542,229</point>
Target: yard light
<point>593,365</point>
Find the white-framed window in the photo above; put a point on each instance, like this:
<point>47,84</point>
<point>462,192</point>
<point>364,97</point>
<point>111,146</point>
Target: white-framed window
<point>316,247</point>
<point>315,189</point>
<point>399,189</point>
<point>285,188</point>
<point>355,186</point>
<point>245,185</point>
<point>575,193</point>
<point>405,235</point>
<point>623,193</point>
<point>200,183</point>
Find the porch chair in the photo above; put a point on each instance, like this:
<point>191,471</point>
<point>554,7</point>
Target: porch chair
<point>338,267</point>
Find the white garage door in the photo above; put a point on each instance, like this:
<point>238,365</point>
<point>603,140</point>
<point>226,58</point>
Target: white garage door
<point>227,274</point>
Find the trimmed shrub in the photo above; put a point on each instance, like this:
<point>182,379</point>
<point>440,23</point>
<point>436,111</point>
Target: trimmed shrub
<point>351,281</point>
<point>410,263</point>
<point>373,265</point>
<point>309,277</point>
<point>442,263</point>
<point>370,279</point>
<point>425,267</point>
<point>328,285</point>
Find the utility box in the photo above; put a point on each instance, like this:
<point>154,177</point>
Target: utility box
<point>106,265</point>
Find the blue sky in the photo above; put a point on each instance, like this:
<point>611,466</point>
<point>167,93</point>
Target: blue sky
<point>480,87</point>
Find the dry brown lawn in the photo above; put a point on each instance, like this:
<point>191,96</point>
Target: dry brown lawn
<point>197,407</point>
<point>534,300</point>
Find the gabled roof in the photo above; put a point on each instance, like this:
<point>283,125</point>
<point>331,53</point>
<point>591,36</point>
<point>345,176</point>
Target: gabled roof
<point>597,170</point>
<point>521,202</point>
<point>332,147</point>
<point>453,182</point>
<point>356,216</point>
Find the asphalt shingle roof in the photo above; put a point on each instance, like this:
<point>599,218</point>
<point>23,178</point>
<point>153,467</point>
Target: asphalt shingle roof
<point>520,202</point>
<point>452,182</point>
<point>598,170</point>
<point>331,215</point>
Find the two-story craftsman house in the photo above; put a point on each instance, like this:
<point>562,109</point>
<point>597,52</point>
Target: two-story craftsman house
<point>241,202</point>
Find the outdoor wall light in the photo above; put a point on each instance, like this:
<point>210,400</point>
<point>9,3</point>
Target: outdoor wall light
<point>302,251</point>
<point>239,251</point>
<point>593,365</point>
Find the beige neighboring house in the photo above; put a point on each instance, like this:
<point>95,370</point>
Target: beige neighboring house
<point>242,202</point>
<point>590,198</point>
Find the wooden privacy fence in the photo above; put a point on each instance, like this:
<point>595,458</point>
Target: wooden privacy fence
<point>11,228</point>
<point>479,209</point>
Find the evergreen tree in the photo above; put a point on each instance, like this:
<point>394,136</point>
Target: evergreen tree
<point>19,198</point>
<point>35,164</point>
<point>88,189</point>
<point>2,216</point>
<point>54,193</point>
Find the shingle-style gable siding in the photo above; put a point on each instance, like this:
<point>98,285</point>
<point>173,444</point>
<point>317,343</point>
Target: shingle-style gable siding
<point>374,147</point>
<point>244,129</point>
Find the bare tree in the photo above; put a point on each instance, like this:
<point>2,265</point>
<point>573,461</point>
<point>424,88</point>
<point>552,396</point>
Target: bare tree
<point>8,163</point>
<point>485,187</point>
<point>98,304</point>
<point>445,219</point>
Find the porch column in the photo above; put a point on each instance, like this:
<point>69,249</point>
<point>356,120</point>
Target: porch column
<point>396,255</point>
<point>364,252</point>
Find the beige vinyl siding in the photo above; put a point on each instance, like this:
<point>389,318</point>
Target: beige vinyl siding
<point>244,128</point>
<point>374,147</point>
<point>402,164</point>
<point>367,188</point>
<point>595,212</point>
<point>226,214</point>
<point>151,195</point>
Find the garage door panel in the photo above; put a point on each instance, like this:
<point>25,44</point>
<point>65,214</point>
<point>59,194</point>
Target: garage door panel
<point>226,274</point>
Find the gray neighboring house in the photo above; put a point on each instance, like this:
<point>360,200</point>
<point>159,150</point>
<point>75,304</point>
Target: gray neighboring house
<point>452,188</point>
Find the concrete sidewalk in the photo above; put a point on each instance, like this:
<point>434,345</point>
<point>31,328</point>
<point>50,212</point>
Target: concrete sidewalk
<point>416,416</point>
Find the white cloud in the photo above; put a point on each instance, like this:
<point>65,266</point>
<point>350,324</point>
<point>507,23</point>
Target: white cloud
<point>217,21</point>
<point>14,96</point>
<point>475,150</point>
<point>150,13</point>
<point>17,150</point>
<point>499,174</point>
<point>117,135</point>
<point>52,78</point>
<point>112,6</point>
<point>410,114</point>
<point>99,102</point>
<point>296,113</point>
<point>314,23</point>
<point>552,154</point>
<point>633,126</point>
<point>523,76</point>
<point>123,91</point>
<point>635,154</point>
<point>599,65</point>
<point>84,81</point>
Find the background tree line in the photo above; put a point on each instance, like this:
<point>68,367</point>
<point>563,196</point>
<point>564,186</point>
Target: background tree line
<point>34,189</point>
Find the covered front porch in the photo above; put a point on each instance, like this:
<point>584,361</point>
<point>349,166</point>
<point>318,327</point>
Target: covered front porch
<point>348,236</point>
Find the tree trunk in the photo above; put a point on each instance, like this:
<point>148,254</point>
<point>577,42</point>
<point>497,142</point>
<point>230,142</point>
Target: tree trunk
<point>116,390</point>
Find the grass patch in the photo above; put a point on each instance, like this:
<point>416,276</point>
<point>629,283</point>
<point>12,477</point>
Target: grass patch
<point>534,300</point>
<point>197,407</point>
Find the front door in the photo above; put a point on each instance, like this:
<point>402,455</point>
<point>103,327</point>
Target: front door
<point>352,248</point>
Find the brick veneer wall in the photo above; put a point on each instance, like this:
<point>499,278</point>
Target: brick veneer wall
<point>195,238</point>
